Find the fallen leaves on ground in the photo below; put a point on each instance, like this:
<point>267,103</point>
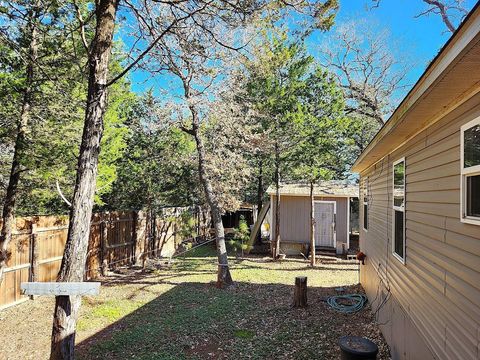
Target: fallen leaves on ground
<point>176,312</point>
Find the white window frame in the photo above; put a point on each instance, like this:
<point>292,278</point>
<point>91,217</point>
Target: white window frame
<point>466,172</point>
<point>365,195</point>
<point>399,208</point>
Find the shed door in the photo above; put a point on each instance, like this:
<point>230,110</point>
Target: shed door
<point>325,224</point>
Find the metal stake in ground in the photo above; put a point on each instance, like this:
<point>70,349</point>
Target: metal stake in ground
<point>300,293</point>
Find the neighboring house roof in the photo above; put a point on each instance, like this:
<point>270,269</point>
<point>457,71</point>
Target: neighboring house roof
<point>451,79</point>
<point>324,188</point>
<point>245,207</point>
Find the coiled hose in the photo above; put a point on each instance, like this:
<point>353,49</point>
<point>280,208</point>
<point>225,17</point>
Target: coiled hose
<point>356,303</point>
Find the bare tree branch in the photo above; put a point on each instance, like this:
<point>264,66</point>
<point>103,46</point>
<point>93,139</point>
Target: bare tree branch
<point>367,70</point>
<point>81,26</point>
<point>449,11</point>
<point>155,42</point>
<point>61,194</point>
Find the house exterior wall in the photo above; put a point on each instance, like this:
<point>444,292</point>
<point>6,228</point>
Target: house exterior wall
<point>295,219</point>
<point>433,306</point>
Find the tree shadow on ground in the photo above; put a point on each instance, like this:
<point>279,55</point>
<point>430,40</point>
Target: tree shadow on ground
<point>256,321</point>
<point>301,268</point>
<point>185,268</point>
<point>141,278</point>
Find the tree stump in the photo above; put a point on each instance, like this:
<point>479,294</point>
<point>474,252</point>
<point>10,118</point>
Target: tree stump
<point>300,294</point>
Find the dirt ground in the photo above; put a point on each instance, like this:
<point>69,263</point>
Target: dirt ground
<point>175,312</point>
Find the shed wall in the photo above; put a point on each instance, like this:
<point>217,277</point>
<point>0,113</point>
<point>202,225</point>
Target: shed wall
<point>436,294</point>
<point>295,219</point>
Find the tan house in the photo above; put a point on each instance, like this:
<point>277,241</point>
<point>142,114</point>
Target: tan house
<point>332,216</point>
<point>420,209</point>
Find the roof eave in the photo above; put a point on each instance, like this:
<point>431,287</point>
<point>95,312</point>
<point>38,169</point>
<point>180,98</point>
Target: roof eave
<point>466,32</point>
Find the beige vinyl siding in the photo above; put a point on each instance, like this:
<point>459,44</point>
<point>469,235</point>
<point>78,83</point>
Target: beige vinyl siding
<point>295,218</point>
<point>438,288</point>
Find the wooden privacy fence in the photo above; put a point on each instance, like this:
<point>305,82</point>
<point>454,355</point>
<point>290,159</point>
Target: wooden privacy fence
<point>116,239</point>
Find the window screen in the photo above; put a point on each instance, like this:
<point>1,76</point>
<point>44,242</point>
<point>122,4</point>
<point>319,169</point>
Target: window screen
<point>398,205</point>
<point>470,188</point>
<point>473,195</point>
<point>471,149</point>
<point>365,216</point>
<point>399,184</point>
<point>365,204</point>
<point>399,232</point>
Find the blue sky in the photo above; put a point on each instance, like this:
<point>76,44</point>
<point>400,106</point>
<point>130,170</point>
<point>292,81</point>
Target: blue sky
<point>419,38</point>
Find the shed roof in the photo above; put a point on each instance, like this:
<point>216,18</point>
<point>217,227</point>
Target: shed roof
<point>450,80</point>
<point>333,188</point>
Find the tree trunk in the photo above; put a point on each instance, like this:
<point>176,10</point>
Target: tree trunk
<point>75,254</point>
<point>34,273</point>
<point>260,188</point>
<point>312,226</point>
<point>104,239</point>
<point>224,277</point>
<point>8,214</point>
<point>259,198</point>
<point>276,243</point>
<point>300,293</point>
<point>204,225</point>
<point>139,235</point>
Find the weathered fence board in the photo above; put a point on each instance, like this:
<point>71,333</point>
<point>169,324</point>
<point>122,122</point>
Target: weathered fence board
<point>38,244</point>
<point>116,239</point>
<point>60,288</point>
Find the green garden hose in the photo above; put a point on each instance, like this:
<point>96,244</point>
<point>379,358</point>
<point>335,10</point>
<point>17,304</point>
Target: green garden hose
<point>356,302</point>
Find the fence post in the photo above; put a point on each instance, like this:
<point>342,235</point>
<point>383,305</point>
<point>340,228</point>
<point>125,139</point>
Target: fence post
<point>140,234</point>
<point>150,228</point>
<point>34,256</point>
<point>103,245</point>
<point>175,227</point>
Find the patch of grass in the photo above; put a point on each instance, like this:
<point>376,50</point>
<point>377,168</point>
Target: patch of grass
<point>207,250</point>
<point>244,334</point>
<point>105,313</point>
<point>178,313</point>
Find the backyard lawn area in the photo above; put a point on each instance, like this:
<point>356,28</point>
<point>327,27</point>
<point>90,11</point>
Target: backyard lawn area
<point>176,312</point>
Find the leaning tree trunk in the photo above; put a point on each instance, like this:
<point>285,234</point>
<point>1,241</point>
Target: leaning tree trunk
<point>224,278</point>
<point>75,254</point>
<point>8,214</point>
<point>260,188</point>
<point>259,198</point>
<point>312,226</point>
<point>276,243</point>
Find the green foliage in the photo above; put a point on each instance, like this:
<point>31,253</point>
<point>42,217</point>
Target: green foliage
<point>114,140</point>
<point>241,235</point>
<point>318,153</point>
<point>301,109</point>
<point>358,131</point>
<point>157,168</point>
<point>244,334</point>
<point>146,161</point>
<point>54,153</point>
<point>277,78</point>
<point>56,98</point>
<point>57,109</point>
<point>275,86</point>
<point>187,226</point>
